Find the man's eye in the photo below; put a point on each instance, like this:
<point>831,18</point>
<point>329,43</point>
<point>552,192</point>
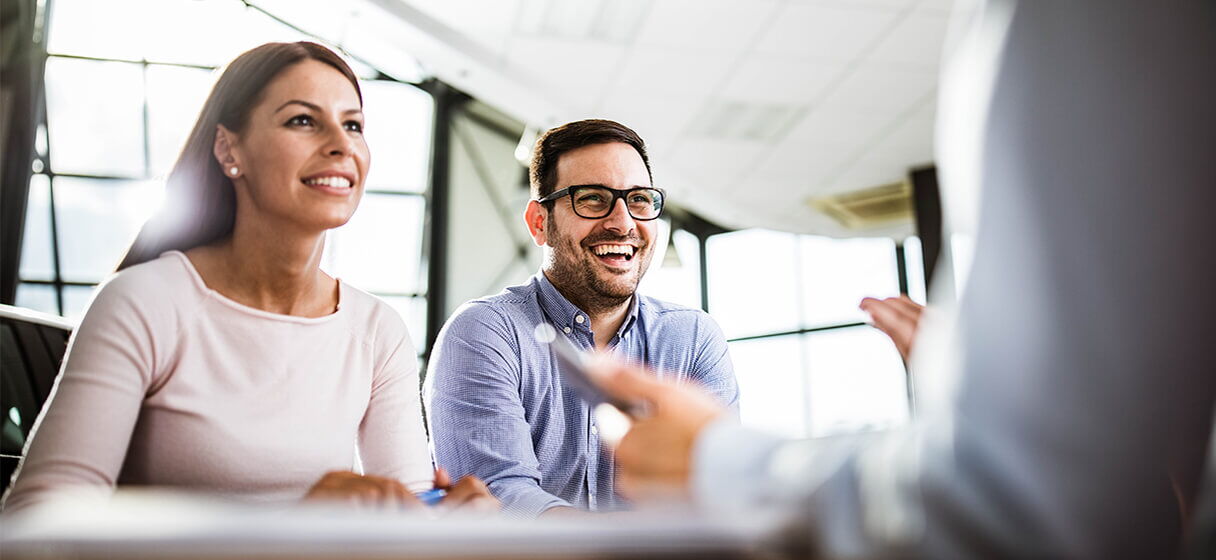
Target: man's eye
<point>591,198</point>
<point>640,199</point>
<point>300,120</point>
<point>354,126</point>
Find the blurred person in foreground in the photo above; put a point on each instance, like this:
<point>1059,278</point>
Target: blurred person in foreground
<point>220,358</point>
<point>1067,409</point>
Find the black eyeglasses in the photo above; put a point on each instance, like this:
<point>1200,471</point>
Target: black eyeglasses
<point>597,201</point>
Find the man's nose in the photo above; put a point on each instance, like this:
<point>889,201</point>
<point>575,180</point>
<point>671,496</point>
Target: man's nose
<point>619,220</point>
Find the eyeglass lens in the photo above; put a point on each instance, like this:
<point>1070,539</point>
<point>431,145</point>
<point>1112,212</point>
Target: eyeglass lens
<point>596,202</point>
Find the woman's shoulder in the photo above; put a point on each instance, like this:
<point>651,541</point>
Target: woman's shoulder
<point>167,280</point>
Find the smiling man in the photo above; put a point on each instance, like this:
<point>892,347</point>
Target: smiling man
<point>498,407</point>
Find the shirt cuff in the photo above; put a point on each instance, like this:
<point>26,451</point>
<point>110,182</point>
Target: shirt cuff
<point>729,469</point>
<point>524,500</point>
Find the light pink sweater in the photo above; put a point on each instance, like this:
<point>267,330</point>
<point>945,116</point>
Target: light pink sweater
<point>169,383</point>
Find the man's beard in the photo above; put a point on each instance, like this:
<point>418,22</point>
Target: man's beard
<point>573,272</point>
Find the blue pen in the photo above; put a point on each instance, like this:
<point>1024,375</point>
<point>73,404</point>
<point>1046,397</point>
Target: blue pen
<point>431,497</point>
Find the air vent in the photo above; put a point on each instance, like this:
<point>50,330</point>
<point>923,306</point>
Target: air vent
<point>868,208</point>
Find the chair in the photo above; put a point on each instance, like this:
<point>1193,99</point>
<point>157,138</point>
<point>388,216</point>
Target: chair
<point>32,346</point>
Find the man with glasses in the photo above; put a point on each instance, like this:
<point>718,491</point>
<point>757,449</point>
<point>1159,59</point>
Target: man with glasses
<point>498,407</point>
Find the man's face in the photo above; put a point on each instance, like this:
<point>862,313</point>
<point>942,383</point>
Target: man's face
<point>598,261</point>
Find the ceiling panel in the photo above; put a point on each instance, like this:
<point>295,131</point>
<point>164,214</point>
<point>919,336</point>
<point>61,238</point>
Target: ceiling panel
<point>709,25</point>
<point>479,20</point>
<point>688,74</point>
<point>826,32</point>
<point>573,68</point>
<point>714,163</point>
<point>915,41</point>
<point>781,79</point>
<point>883,90</point>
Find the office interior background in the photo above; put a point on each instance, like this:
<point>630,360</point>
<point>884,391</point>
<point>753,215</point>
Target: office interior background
<point>794,137</point>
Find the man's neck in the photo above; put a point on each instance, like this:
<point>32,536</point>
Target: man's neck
<point>606,317</point>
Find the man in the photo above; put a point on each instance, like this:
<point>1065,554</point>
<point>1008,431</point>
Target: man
<point>497,405</point>
<point>1077,424</point>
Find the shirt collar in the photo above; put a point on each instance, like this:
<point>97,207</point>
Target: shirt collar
<point>566,314</point>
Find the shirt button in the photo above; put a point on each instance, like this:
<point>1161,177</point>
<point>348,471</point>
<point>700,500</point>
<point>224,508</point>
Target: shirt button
<point>579,319</point>
<point>595,431</point>
<point>566,330</point>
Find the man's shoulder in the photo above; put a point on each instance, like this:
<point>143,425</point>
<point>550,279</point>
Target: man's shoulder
<point>665,318</point>
<point>501,311</point>
<point>667,311</point>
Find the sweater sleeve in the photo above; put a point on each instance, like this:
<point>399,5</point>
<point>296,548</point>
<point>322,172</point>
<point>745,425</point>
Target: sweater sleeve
<point>392,436</point>
<point>81,437</point>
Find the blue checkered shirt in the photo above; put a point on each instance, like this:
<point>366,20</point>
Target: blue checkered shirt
<point>500,411</point>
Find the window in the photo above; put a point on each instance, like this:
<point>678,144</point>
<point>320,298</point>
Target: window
<point>124,84</point>
<point>675,275</point>
<point>807,364</point>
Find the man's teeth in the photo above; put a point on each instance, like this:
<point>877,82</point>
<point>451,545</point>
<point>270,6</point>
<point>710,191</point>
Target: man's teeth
<point>339,182</point>
<point>602,250</point>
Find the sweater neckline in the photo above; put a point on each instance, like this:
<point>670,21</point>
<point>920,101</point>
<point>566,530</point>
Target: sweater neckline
<point>207,291</point>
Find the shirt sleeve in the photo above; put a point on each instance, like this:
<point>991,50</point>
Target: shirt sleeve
<point>392,435</point>
<point>80,439</point>
<point>712,367</point>
<point>477,418</point>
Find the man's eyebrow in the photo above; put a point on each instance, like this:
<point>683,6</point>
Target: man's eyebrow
<point>314,107</point>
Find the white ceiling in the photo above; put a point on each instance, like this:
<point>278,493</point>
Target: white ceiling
<point>749,107</point>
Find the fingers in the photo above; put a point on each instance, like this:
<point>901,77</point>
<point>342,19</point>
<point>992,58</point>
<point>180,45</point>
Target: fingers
<point>897,317</point>
<point>362,491</point>
<point>442,479</point>
<point>626,382</point>
<point>470,494</point>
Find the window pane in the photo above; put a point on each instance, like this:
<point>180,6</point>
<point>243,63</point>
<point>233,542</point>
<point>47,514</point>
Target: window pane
<point>95,115</point>
<point>856,381</point>
<point>177,31</point>
<point>914,260</point>
<point>36,257</point>
<point>75,300</point>
<point>39,297</point>
<point>772,391</point>
<point>380,249</point>
<point>175,96</point>
<point>753,282</point>
<point>413,312</point>
<point>677,278</point>
<point>837,273</point>
<point>398,120</point>
<point>97,221</point>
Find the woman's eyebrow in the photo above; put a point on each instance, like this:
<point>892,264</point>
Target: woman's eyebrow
<point>315,107</point>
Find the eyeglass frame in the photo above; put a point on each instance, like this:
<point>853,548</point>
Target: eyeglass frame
<point>617,194</point>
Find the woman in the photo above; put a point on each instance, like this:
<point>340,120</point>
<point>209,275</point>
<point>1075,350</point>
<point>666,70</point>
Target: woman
<point>221,358</point>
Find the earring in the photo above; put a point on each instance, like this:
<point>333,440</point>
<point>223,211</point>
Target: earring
<point>233,171</point>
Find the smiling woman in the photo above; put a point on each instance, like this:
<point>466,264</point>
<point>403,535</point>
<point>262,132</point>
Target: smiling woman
<point>222,358</point>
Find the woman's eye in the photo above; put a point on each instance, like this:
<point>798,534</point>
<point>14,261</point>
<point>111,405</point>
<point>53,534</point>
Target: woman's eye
<point>354,126</point>
<point>300,120</point>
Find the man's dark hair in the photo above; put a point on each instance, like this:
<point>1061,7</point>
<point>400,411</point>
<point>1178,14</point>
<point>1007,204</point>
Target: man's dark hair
<point>542,174</point>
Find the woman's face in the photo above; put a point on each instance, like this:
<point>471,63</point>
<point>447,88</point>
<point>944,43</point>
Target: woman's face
<point>302,159</point>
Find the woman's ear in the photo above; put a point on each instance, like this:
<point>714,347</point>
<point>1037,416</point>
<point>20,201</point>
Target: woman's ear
<point>225,153</point>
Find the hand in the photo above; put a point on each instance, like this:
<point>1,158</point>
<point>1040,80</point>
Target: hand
<point>469,494</point>
<point>898,318</point>
<point>362,491</point>
<point>654,459</point>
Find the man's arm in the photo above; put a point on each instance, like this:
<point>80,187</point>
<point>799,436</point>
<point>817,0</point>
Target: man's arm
<point>712,368</point>
<point>477,419</point>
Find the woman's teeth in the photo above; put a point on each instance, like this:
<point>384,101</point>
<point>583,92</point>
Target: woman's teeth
<point>338,182</point>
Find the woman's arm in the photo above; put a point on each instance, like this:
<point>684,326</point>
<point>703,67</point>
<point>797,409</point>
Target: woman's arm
<point>81,436</point>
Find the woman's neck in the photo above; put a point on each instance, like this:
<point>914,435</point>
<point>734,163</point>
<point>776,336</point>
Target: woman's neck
<point>273,271</point>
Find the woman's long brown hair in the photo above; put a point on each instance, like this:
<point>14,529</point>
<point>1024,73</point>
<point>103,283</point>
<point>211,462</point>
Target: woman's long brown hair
<point>200,204</point>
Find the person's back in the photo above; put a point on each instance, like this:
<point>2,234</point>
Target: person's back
<point>1078,423</point>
